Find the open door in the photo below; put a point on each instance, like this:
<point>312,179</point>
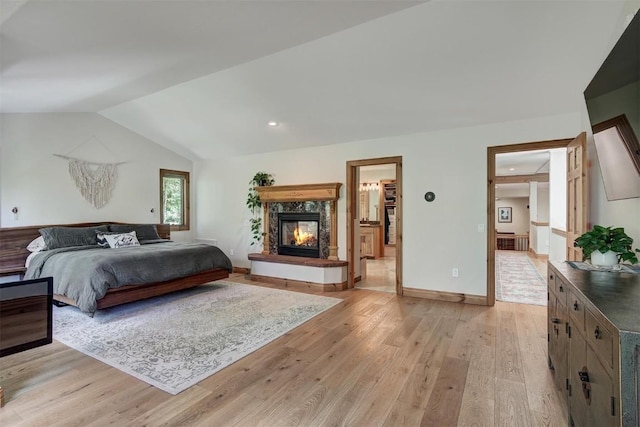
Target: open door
<point>576,194</point>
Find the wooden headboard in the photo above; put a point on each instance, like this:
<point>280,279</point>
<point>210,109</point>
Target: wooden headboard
<point>14,241</point>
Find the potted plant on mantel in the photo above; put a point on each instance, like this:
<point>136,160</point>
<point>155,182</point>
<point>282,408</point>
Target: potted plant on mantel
<point>260,179</point>
<point>606,246</point>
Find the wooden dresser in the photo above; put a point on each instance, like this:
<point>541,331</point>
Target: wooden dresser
<point>594,343</point>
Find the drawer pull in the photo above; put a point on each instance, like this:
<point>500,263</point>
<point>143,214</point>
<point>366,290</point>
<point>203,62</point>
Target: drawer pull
<point>575,306</point>
<point>551,276</point>
<point>586,385</point>
<point>555,320</point>
<point>596,333</point>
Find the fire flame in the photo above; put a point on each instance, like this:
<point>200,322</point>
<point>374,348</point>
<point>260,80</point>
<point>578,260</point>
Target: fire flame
<point>302,237</point>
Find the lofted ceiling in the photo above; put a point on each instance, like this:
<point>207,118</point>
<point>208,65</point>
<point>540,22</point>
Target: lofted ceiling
<point>203,78</point>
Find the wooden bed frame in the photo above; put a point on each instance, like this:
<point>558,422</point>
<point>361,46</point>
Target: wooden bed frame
<point>13,254</point>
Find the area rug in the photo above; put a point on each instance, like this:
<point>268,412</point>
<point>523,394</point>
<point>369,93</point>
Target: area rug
<point>518,280</point>
<point>174,341</point>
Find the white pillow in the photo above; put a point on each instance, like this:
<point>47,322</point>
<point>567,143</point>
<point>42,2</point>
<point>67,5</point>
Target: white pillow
<point>37,245</point>
<point>121,240</point>
<point>29,258</point>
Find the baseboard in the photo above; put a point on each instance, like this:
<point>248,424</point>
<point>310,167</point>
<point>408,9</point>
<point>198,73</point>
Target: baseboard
<point>444,296</point>
<point>241,270</point>
<point>288,283</point>
<point>357,279</point>
<point>537,255</point>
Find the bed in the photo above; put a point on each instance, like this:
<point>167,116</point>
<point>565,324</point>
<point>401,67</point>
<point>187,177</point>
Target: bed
<point>113,276</point>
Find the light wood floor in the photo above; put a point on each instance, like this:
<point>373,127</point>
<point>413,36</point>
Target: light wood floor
<point>374,360</point>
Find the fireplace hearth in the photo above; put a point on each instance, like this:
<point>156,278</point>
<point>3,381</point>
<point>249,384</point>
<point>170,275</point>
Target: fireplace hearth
<point>298,234</point>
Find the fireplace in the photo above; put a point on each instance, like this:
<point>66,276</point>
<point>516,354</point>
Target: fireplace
<point>298,234</point>
<point>321,199</point>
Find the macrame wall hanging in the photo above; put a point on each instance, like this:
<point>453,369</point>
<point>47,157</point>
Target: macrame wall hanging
<point>94,180</point>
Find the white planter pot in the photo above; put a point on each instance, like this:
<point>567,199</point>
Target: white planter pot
<point>604,259</point>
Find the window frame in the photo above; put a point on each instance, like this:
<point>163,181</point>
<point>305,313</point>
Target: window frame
<point>186,209</point>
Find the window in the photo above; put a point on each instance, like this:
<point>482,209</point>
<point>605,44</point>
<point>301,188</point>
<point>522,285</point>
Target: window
<point>174,199</point>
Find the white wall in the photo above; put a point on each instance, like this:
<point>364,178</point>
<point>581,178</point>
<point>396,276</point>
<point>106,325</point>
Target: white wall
<point>542,213</point>
<point>557,203</point>
<point>39,185</point>
<point>542,203</point>
<point>437,236</point>
<point>533,215</point>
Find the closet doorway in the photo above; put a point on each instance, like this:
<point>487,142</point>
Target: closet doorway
<point>374,211</point>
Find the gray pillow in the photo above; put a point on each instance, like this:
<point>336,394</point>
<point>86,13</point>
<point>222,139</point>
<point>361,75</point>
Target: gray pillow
<point>143,231</point>
<point>62,237</point>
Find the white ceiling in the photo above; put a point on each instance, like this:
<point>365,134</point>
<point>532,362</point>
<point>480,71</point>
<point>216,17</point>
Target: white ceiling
<point>203,77</point>
<point>522,163</point>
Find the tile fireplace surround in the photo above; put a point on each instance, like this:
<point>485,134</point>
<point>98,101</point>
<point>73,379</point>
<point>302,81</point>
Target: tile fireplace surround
<point>327,273</point>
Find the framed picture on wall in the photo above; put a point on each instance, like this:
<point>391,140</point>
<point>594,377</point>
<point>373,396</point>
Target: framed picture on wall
<point>504,214</point>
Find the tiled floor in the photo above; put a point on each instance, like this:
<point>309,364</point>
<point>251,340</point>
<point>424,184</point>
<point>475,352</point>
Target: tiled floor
<point>381,272</point>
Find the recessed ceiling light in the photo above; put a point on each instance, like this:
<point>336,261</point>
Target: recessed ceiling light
<point>273,123</point>
<point>512,169</point>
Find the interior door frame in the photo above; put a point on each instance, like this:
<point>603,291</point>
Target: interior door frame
<point>352,189</point>
<point>491,200</point>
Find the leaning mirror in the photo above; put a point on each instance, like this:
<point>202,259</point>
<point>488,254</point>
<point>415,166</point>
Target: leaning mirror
<point>616,145</point>
<point>613,103</point>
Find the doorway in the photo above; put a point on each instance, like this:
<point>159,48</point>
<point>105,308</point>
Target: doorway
<point>523,203</point>
<point>374,223</point>
<point>493,179</point>
<point>377,214</point>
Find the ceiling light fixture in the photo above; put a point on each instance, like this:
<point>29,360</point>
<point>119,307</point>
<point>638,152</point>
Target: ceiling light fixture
<point>512,169</point>
<point>273,123</point>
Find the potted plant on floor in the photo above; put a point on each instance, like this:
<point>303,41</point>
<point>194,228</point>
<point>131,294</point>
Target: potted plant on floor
<point>260,179</point>
<point>606,246</point>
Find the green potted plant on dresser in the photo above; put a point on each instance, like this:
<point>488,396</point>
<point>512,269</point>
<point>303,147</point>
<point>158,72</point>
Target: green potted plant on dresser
<point>607,246</point>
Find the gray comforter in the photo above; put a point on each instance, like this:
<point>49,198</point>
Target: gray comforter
<point>84,273</point>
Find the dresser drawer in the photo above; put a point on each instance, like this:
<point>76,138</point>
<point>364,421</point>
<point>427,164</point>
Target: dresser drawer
<point>562,291</point>
<point>600,338</point>
<point>551,279</point>
<point>576,310</point>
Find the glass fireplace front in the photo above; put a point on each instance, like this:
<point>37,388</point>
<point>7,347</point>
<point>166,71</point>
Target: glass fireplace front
<point>298,234</point>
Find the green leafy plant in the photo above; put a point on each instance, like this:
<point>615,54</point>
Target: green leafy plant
<point>260,179</point>
<point>606,239</point>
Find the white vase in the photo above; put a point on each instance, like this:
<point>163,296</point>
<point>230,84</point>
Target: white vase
<point>607,259</point>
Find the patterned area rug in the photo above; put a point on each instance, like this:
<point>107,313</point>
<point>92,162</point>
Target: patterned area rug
<point>518,280</point>
<point>173,342</point>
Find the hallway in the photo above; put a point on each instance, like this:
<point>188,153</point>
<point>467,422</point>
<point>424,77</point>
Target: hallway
<point>520,277</point>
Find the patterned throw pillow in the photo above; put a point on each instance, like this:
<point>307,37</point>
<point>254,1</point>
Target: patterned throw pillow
<point>100,237</point>
<point>121,240</point>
